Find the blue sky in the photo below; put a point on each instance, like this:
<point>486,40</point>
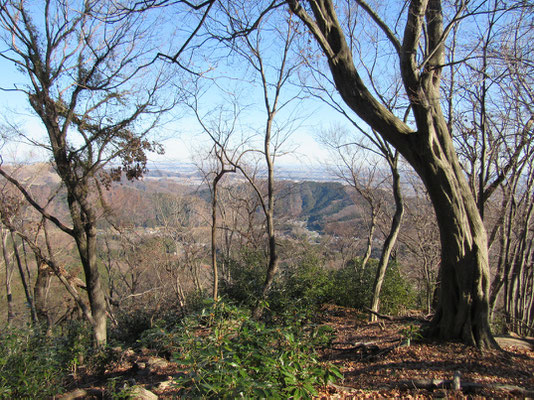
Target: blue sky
<point>183,137</point>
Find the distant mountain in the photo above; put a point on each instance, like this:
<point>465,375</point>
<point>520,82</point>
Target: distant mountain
<point>320,205</point>
<point>178,170</point>
<point>314,202</point>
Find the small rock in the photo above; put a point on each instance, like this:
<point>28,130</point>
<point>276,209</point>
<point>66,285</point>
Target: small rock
<point>79,394</point>
<point>157,362</point>
<point>165,384</point>
<point>140,393</point>
<point>75,394</point>
<point>129,353</point>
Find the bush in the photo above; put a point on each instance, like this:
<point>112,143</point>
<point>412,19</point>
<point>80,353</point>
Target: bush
<point>229,355</point>
<point>27,366</point>
<point>247,276</point>
<point>308,284</point>
<point>35,366</point>
<point>354,287</point>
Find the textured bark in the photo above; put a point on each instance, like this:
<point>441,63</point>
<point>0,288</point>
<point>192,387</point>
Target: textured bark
<point>463,308</point>
<point>40,291</point>
<point>86,243</point>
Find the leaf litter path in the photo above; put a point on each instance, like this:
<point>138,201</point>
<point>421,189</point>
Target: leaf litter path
<point>375,365</point>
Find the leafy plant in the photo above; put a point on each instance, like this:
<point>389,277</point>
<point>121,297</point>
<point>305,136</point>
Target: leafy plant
<point>353,287</point>
<point>30,366</point>
<point>117,390</point>
<point>229,355</point>
<point>411,333</point>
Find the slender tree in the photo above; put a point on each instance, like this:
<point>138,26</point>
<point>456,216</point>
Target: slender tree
<point>83,83</point>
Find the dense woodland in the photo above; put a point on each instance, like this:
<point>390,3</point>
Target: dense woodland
<point>427,215</point>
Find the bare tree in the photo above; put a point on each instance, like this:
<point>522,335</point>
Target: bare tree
<point>362,174</point>
<point>463,310</point>
<point>271,79</point>
<point>84,85</point>
<point>224,157</point>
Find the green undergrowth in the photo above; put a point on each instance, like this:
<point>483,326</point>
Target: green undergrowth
<point>224,353</point>
<point>308,285</point>
<point>34,366</point>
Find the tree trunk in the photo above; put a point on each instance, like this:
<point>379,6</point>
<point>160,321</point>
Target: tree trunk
<point>86,242</point>
<point>215,292</point>
<point>388,244</point>
<point>40,291</point>
<point>27,292</point>
<point>9,276</point>
<point>272,268</point>
<point>463,309</point>
<point>370,237</point>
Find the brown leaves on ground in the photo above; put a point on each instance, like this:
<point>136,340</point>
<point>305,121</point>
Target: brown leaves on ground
<point>376,363</point>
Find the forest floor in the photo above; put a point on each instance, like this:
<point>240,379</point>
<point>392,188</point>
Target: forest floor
<point>376,363</point>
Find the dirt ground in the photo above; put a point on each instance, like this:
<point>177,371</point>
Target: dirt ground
<point>376,363</point>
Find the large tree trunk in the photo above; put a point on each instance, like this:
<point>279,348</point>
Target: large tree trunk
<point>84,233</point>
<point>462,312</point>
<point>463,308</point>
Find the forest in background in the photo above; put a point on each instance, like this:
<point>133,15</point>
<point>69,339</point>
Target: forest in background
<point>432,151</point>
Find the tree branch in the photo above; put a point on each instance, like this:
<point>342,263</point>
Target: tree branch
<point>35,205</point>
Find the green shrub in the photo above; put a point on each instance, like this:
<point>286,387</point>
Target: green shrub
<point>35,366</point>
<point>307,284</point>
<point>229,355</point>
<point>131,323</point>
<point>28,366</point>
<point>353,287</point>
<point>247,275</point>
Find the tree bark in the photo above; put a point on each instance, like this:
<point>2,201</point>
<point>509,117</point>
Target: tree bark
<point>84,234</point>
<point>40,291</point>
<point>87,248</point>
<point>463,310</point>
